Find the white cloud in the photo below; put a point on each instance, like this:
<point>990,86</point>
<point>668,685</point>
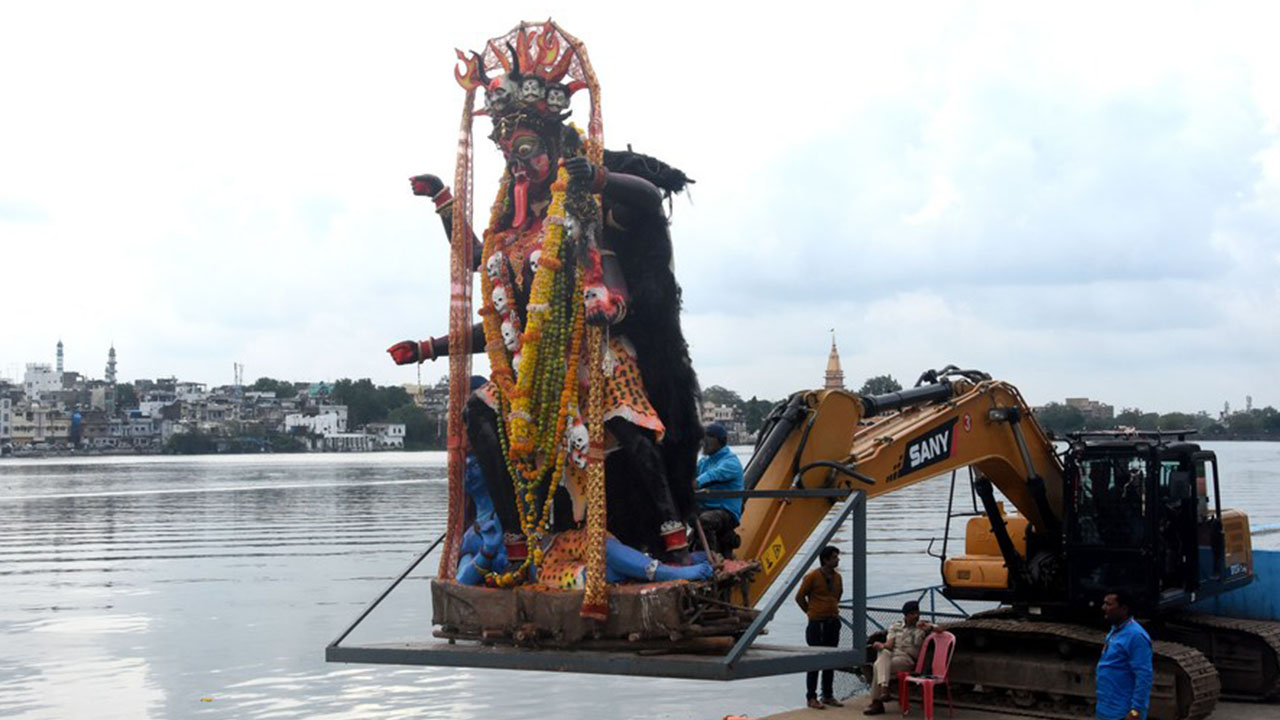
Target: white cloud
<point>1001,187</point>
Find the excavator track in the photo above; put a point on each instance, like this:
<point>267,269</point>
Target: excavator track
<point>1046,669</point>
<point>1245,652</point>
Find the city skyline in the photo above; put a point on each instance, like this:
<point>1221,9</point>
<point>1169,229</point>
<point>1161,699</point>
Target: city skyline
<point>828,375</point>
<point>1077,207</point>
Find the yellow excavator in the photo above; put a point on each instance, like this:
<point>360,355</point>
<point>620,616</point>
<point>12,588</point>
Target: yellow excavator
<point>1129,511</point>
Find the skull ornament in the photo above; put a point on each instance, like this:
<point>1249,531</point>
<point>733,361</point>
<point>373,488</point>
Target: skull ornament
<point>509,337</point>
<point>557,98</point>
<point>533,259</point>
<point>494,266</point>
<point>531,90</point>
<point>515,363</point>
<point>500,299</point>
<point>578,441</point>
<point>595,295</point>
<point>500,95</point>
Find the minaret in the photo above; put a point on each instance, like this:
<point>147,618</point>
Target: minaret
<point>111,381</point>
<point>835,376</point>
<point>59,359</point>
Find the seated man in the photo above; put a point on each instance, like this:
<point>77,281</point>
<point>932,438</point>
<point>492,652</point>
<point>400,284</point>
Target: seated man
<point>719,470</point>
<point>896,654</point>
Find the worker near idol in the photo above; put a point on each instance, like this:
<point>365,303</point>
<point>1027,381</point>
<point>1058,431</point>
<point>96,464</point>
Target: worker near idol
<point>1124,670</point>
<point>897,653</point>
<point>819,598</point>
<point>719,469</point>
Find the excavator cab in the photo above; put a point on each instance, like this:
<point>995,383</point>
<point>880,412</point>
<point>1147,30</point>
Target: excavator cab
<point>1144,515</point>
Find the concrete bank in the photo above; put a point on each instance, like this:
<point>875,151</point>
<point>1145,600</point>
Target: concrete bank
<point>853,708</point>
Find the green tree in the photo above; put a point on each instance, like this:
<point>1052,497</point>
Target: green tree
<point>879,385</point>
<point>190,443</point>
<point>1138,420</point>
<point>721,396</point>
<point>1244,423</point>
<point>126,397</point>
<point>1060,419</point>
<point>367,402</point>
<point>754,411</point>
<point>1270,418</point>
<point>1178,421</point>
<point>281,388</point>
<point>421,431</point>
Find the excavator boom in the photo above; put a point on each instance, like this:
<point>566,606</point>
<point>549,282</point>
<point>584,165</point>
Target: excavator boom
<point>880,444</point>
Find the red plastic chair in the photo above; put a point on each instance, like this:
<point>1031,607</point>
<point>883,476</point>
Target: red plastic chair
<point>944,647</point>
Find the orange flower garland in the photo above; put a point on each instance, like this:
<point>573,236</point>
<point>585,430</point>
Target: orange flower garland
<point>537,398</point>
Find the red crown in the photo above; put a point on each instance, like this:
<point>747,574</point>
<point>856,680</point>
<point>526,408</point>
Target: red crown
<point>534,70</point>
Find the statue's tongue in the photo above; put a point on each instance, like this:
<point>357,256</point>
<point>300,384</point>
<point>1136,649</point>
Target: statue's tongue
<point>521,198</point>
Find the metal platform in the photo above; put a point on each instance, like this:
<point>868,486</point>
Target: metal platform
<point>739,658</point>
<point>757,661</point>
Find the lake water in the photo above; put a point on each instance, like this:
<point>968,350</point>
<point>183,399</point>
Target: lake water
<point>162,587</point>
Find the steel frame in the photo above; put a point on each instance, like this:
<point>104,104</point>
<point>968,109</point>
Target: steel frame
<point>745,659</point>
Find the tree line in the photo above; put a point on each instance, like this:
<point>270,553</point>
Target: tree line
<point>1253,424</point>
<point>369,403</point>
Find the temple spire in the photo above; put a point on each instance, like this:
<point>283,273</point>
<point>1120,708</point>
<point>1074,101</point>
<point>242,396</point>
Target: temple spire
<point>835,376</point>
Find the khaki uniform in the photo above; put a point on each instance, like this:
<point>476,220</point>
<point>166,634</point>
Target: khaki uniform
<point>900,658</point>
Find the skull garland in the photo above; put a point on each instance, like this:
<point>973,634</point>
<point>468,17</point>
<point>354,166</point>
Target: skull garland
<point>509,336</point>
<point>500,300</point>
<point>578,441</point>
<point>534,257</point>
<point>494,266</point>
<point>595,297</point>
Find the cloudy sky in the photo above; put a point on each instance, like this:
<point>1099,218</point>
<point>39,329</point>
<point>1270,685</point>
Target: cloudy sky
<point>1082,203</point>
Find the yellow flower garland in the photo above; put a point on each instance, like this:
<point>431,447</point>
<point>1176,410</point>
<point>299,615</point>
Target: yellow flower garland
<point>533,418</point>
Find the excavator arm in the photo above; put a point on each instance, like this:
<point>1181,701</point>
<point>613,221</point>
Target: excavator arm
<point>882,443</point>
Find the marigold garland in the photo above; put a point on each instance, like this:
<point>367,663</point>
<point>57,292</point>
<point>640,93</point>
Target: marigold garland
<point>539,398</point>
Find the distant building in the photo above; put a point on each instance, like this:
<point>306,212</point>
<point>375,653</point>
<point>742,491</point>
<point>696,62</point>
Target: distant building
<point>346,442</point>
<point>190,391</point>
<point>835,376</point>
<point>325,421</point>
<point>389,436</point>
<point>40,379</point>
<point>39,426</point>
<point>1092,409</point>
<point>728,416</point>
<point>6,420</point>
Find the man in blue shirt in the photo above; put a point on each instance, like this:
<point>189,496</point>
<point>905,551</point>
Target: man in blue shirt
<point>719,470</point>
<point>1124,671</point>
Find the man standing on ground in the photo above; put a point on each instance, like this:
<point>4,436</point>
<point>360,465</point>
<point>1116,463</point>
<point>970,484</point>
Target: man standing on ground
<point>719,470</point>
<point>819,598</point>
<point>896,654</point>
<point>1124,671</point>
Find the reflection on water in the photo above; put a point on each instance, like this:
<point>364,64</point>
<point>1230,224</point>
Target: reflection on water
<point>177,587</point>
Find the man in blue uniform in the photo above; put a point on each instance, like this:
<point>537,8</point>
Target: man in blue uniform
<point>1124,671</point>
<point>719,469</point>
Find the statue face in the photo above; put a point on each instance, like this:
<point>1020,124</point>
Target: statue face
<point>526,154</point>
<point>531,90</point>
<point>500,95</point>
<point>557,98</point>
